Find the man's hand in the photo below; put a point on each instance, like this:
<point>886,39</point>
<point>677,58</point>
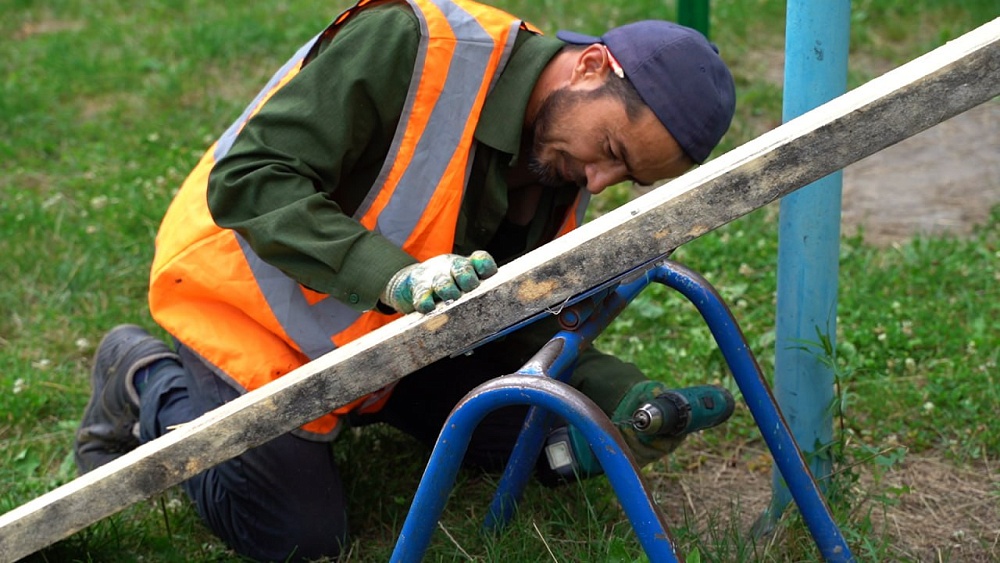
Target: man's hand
<point>442,278</point>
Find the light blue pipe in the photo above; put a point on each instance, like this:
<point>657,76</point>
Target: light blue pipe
<point>816,47</point>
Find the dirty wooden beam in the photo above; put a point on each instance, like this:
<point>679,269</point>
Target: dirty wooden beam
<point>918,95</point>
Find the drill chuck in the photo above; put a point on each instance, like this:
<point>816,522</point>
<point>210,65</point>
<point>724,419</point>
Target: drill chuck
<point>683,411</point>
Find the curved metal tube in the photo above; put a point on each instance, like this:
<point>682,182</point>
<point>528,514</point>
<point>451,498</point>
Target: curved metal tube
<point>561,399</point>
<point>786,453</point>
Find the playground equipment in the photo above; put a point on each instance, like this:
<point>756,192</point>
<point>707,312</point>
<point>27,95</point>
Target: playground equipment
<point>538,383</point>
<point>901,103</point>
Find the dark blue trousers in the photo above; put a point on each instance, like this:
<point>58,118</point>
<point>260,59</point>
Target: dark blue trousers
<point>284,500</point>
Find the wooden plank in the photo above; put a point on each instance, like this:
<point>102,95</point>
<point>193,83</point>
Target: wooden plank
<point>922,93</point>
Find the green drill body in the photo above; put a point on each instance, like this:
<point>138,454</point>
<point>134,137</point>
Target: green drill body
<point>683,411</point>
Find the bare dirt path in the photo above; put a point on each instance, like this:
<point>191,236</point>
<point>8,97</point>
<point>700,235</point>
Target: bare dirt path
<point>944,180</point>
<point>938,511</point>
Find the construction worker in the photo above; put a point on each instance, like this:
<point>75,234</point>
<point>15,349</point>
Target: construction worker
<point>395,161</point>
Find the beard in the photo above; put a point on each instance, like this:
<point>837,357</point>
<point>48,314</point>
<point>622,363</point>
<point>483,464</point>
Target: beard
<point>558,103</point>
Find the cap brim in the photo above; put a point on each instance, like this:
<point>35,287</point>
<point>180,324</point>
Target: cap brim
<point>575,38</point>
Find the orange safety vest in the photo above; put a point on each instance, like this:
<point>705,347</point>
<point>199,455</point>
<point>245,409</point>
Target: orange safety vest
<point>249,321</point>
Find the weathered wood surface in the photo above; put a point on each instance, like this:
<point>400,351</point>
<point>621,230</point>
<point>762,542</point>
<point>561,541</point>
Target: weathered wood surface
<point>926,91</point>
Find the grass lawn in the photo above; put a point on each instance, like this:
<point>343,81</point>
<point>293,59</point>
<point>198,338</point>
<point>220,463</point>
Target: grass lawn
<point>105,106</point>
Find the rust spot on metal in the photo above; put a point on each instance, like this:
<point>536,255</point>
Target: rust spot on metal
<point>531,290</point>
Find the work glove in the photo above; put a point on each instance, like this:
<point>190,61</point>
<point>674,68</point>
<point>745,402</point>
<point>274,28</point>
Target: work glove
<point>645,447</point>
<point>443,278</point>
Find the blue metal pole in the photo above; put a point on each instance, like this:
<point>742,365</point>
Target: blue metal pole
<point>816,48</point>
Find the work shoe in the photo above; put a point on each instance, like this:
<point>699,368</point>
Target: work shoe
<point>110,426</point>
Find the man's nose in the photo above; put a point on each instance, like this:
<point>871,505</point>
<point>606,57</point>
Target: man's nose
<point>602,175</point>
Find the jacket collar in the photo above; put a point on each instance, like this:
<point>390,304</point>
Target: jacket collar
<point>502,119</point>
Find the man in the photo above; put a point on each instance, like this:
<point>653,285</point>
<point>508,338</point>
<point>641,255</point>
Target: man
<point>392,163</point>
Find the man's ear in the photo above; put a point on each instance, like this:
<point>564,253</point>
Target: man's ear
<point>591,67</point>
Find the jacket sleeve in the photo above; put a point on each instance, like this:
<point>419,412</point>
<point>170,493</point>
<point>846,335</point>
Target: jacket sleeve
<point>313,151</point>
<point>602,377</point>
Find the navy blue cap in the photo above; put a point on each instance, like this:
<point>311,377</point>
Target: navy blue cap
<point>680,76</point>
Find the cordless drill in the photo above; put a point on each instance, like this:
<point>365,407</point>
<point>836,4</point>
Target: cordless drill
<point>673,413</point>
<point>682,411</point>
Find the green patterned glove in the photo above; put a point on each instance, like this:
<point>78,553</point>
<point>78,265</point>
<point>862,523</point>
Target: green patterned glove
<point>443,278</point>
<point>646,448</point>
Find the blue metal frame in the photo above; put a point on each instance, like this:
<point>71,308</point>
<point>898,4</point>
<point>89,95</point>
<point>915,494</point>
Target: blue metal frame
<point>540,383</point>
<point>548,394</point>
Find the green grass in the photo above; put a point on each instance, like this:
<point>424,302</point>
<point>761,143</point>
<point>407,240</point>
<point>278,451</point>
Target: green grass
<point>105,106</point>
